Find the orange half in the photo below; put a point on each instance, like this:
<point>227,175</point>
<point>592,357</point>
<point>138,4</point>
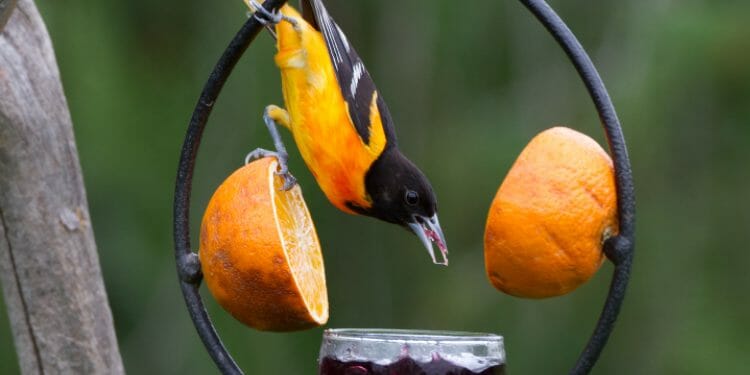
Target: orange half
<point>260,252</point>
<point>551,215</point>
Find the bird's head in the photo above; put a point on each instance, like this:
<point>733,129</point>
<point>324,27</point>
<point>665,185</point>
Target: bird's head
<point>401,194</point>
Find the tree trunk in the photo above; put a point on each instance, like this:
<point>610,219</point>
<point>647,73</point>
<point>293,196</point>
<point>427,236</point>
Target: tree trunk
<point>6,8</point>
<point>49,267</point>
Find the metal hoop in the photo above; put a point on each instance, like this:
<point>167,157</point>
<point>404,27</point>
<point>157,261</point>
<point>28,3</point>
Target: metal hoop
<point>618,249</point>
<point>188,268</point>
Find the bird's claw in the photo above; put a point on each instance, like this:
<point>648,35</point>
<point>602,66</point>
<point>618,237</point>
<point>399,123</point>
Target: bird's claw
<point>282,158</point>
<point>289,180</point>
<point>260,153</point>
<point>266,17</point>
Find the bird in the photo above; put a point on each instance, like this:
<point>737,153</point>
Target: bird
<point>342,126</point>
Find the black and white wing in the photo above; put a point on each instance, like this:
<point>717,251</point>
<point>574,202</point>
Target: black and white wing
<point>355,82</point>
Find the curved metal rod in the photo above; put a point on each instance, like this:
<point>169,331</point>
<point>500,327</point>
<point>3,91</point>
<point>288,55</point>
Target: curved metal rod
<point>618,249</point>
<point>188,266</point>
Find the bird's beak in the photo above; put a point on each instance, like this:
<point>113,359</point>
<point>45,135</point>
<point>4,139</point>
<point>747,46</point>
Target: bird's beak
<point>428,230</point>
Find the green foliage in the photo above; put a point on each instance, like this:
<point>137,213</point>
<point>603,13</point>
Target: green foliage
<point>467,88</point>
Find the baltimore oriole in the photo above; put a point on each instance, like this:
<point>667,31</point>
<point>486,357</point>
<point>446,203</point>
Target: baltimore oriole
<point>342,126</point>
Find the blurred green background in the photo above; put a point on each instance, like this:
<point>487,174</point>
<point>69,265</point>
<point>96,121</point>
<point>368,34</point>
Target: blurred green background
<point>468,83</point>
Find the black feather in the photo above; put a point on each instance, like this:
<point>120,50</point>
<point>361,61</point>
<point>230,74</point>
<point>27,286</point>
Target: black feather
<point>354,80</point>
<point>308,14</point>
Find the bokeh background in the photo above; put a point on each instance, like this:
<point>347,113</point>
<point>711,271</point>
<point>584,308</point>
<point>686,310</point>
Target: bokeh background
<point>468,83</point>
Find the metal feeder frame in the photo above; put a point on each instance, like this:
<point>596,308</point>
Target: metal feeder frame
<point>619,249</point>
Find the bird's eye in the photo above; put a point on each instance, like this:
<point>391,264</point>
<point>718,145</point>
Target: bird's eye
<point>412,198</point>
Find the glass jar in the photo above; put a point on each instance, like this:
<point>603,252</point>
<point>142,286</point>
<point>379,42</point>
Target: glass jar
<point>409,352</point>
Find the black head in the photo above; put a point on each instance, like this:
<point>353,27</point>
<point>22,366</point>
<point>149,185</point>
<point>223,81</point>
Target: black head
<point>401,194</point>
<point>398,189</point>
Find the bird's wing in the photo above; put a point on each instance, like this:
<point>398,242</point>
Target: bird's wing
<point>355,82</point>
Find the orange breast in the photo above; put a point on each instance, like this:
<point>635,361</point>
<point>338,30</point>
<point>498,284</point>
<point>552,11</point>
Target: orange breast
<point>325,135</point>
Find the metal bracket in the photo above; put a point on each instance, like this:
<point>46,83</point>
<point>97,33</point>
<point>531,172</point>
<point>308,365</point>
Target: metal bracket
<point>618,249</point>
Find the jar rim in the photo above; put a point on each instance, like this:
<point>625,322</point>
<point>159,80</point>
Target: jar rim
<point>410,335</point>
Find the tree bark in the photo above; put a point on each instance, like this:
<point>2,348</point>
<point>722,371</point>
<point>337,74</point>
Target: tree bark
<point>49,267</point>
<point>6,8</point>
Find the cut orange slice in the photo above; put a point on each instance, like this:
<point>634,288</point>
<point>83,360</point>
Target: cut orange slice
<point>260,253</point>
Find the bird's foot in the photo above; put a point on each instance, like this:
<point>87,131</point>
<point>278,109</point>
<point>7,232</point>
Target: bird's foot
<point>260,153</point>
<point>289,180</point>
<point>282,158</point>
<point>266,17</point>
